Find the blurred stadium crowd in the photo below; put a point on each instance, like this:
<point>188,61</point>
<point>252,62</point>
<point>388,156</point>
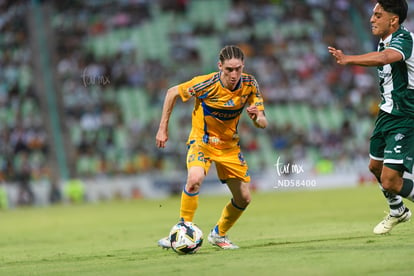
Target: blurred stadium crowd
<point>116,59</point>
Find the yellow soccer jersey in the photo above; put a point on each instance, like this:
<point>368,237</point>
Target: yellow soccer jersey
<point>217,109</point>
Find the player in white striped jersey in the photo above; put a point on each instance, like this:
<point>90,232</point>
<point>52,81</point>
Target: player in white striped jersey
<point>392,141</point>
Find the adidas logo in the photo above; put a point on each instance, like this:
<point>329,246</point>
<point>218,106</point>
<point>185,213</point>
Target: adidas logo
<point>229,103</point>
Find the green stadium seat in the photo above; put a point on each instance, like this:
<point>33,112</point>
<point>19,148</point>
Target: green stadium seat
<point>121,138</point>
<point>28,107</point>
<point>25,79</point>
<point>75,134</point>
<point>266,150</point>
<point>126,106</point>
<point>11,117</point>
<point>281,115</point>
<point>305,114</point>
<point>3,117</point>
<point>142,106</point>
<point>220,9</point>
<point>208,47</point>
<point>322,119</point>
<point>265,28</point>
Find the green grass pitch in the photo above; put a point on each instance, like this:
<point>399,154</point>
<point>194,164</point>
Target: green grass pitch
<point>312,232</point>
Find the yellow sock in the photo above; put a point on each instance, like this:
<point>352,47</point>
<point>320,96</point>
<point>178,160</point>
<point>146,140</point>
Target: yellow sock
<point>189,204</point>
<point>229,216</point>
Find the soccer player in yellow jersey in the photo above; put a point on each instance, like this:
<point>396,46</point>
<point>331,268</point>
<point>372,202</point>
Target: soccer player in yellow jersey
<point>220,98</point>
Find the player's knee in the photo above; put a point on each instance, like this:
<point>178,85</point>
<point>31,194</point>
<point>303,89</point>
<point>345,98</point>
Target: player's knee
<point>247,201</point>
<point>192,188</point>
<point>390,183</point>
<point>386,184</point>
<point>243,202</point>
<point>195,180</point>
<point>193,183</point>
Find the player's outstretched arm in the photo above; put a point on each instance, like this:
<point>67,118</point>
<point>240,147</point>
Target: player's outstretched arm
<point>387,56</point>
<point>258,116</point>
<point>162,134</point>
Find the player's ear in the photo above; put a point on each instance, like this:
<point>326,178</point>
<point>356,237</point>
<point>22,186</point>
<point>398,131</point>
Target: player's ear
<point>395,20</point>
<point>220,66</point>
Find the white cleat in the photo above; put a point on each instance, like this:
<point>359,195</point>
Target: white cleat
<point>164,243</point>
<point>221,241</point>
<point>386,225</point>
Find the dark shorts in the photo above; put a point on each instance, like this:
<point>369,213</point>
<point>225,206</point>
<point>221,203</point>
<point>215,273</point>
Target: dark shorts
<point>392,141</point>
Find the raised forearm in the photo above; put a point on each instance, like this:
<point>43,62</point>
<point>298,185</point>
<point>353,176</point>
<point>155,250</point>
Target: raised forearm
<point>387,56</point>
<point>169,102</point>
<point>368,59</point>
<point>168,106</point>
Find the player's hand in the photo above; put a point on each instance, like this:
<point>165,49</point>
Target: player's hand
<point>338,55</point>
<point>161,138</point>
<point>252,111</point>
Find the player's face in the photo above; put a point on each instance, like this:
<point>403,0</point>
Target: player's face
<point>382,21</point>
<point>231,71</point>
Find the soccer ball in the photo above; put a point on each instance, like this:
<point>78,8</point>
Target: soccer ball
<point>186,238</point>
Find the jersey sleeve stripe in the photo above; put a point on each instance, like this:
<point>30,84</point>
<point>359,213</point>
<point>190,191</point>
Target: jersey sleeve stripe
<point>205,84</point>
